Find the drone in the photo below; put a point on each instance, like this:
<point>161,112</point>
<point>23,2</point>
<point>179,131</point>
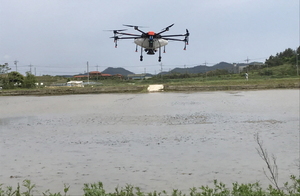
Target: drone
<point>150,41</point>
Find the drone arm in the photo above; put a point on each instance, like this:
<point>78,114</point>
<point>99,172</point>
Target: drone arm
<point>166,29</point>
<point>116,38</point>
<point>127,37</point>
<point>178,35</point>
<point>127,34</point>
<point>182,40</point>
<point>174,39</point>
<point>140,31</point>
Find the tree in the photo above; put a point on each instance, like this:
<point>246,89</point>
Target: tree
<point>12,80</point>
<point>4,68</point>
<point>29,81</point>
<point>288,56</point>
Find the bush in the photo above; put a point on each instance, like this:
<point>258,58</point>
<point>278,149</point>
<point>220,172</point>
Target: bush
<point>29,81</point>
<point>12,80</point>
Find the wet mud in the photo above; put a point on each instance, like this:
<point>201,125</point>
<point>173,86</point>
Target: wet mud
<point>156,141</point>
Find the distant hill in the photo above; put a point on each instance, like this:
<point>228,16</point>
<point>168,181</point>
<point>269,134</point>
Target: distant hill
<point>203,68</point>
<point>114,71</point>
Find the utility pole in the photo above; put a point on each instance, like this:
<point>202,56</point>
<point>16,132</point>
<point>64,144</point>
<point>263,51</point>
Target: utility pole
<point>205,69</point>
<point>30,68</point>
<point>247,60</point>
<point>88,72</point>
<point>16,64</point>
<point>97,72</point>
<point>297,62</point>
<point>161,69</point>
<point>185,69</point>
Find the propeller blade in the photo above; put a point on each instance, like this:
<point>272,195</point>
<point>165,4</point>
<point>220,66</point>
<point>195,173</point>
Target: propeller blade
<point>135,26</point>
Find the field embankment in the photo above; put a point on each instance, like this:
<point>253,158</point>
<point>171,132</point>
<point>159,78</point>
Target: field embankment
<point>169,85</point>
<point>222,85</point>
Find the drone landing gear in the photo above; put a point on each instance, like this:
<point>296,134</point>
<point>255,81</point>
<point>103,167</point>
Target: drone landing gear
<point>159,57</point>
<point>150,52</point>
<point>141,57</point>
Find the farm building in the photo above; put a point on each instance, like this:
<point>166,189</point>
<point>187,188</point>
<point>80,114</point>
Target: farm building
<point>75,84</point>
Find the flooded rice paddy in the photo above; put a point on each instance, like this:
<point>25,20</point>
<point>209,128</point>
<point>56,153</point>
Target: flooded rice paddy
<point>156,141</point>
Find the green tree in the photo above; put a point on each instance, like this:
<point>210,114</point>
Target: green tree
<point>4,68</point>
<point>12,80</point>
<point>288,56</point>
<point>29,81</point>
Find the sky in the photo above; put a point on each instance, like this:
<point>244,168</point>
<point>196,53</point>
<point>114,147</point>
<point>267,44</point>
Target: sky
<point>67,37</point>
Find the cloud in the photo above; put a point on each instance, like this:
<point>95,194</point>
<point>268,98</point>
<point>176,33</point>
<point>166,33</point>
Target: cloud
<point>60,36</point>
<point>6,57</point>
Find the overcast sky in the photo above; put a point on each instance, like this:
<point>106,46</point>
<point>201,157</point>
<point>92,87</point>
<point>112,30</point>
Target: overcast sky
<point>60,36</point>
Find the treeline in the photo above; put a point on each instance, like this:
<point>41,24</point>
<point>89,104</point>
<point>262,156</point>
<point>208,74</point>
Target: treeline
<point>288,56</point>
<point>282,64</point>
<point>217,72</point>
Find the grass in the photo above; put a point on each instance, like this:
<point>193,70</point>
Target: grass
<point>188,82</point>
<point>218,189</point>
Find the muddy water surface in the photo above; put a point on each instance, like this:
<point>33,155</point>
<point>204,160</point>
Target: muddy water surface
<point>157,141</point>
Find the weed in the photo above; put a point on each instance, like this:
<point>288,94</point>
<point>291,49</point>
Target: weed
<point>218,189</point>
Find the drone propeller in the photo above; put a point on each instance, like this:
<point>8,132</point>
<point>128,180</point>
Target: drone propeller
<point>116,31</point>
<point>134,26</point>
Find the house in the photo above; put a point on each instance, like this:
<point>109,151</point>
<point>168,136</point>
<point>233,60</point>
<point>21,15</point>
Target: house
<point>94,75</point>
<point>139,76</point>
<point>75,84</point>
<point>81,76</point>
<point>136,76</point>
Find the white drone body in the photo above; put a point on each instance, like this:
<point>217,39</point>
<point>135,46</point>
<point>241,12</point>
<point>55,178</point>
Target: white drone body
<point>144,43</point>
<point>150,41</point>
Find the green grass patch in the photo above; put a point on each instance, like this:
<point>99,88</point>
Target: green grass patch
<point>291,188</point>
